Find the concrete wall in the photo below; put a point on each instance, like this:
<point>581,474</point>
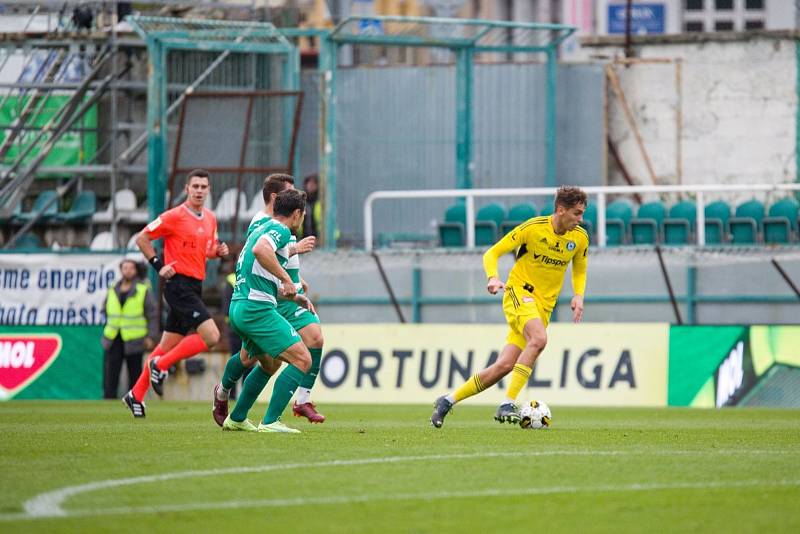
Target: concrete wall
<point>628,280</point>
<point>738,100</point>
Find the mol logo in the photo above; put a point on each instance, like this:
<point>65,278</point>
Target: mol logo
<point>23,357</point>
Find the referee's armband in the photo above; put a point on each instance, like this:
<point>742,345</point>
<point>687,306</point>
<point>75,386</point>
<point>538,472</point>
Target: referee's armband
<point>155,261</point>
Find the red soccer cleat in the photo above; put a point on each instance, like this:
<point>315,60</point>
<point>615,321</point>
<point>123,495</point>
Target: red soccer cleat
<point>220,408</point>
<point>309,411</point>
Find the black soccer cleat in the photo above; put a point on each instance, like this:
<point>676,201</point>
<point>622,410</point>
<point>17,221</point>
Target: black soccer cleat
<point>157,377</point>
<point>441,408</point>
<point>136,407</point>
<point>507,413</point>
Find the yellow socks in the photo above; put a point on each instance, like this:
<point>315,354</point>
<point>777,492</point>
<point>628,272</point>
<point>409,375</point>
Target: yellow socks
<point>471,387</point>
<point>519,377</point>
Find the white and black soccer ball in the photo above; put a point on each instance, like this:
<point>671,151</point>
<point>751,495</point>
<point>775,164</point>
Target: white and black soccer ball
<point>535,415</point>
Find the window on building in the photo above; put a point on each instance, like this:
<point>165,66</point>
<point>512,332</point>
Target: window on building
<point>723,5</point>
<point>723,25</point>
<point>693,26</point>
<point>694,5</point>
<point>754,25</point>
<point>754,4</point>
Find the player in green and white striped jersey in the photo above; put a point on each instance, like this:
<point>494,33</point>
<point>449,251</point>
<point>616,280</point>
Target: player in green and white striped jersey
<point>304,322</point>
<point>261,280</point>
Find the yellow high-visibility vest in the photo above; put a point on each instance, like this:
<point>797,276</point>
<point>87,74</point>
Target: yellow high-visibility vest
<point>129,320</point>
<point>231,278</point>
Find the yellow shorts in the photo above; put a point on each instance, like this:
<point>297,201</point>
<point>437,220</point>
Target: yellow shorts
<point>519,307</point>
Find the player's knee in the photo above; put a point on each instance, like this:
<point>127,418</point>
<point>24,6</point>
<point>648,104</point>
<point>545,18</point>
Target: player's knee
<point>537,343</point>
<point>303,360</point>
<point>314,339</point>
<point>504,366</point>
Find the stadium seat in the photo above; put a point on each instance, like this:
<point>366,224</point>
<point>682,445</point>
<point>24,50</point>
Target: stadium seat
<point>132,242</point>
<point>126,205</point>
<point>716,214</point>
<point>548,207</point>
<point>28,241</point>
<point>781,222</point>
<point>102,241</point>
<point>451,231</point>
<point>517,215</point>
<point>226,207</point>
<point>590,218</point>
<point>39,206</point>
<point>82,209</point>
<point>679,224</point>
<point>618,218</point>
<point>487,224</point>
<point>646,226</point>
<point>256,204</point>
<point>744,226</point>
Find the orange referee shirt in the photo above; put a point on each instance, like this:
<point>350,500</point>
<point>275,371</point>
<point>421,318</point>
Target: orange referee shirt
<point>189,239</point>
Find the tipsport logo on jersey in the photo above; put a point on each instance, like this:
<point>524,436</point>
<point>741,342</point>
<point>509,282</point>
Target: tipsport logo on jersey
<point>598,365</point>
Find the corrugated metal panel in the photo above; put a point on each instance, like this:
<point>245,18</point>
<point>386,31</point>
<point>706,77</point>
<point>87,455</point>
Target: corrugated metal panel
<point>396,129</point>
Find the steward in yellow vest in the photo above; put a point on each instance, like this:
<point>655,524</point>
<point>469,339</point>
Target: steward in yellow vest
<point>131,327</point>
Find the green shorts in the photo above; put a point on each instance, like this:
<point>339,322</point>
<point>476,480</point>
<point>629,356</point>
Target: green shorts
<point>297,316</point>
<point>262,329</point>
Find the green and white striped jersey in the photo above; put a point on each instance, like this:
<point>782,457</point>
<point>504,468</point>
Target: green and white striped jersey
<point>292,265</point>
<point>254,282</point>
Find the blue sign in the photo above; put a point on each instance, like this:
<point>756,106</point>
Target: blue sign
<point>645,18</point>
<point>370,27</point>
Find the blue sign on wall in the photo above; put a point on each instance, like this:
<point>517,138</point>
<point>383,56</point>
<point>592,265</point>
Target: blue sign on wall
<point>645,18</point>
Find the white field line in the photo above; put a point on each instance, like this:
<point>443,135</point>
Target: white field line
<point>49,504</point>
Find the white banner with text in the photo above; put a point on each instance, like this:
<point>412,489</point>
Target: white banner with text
<point>55,289</point>
<point>583,365</point>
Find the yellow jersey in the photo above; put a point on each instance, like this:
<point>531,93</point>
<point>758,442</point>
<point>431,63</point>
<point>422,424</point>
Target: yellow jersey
<point>542,257</point>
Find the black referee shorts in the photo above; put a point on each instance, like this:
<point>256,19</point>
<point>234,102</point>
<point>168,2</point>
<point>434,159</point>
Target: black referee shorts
<point>186,309</point>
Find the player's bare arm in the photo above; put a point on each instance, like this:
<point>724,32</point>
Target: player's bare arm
<point>577,308</point>
<point>494,285</point>
<point>145,244</point>
<point>304,246</point>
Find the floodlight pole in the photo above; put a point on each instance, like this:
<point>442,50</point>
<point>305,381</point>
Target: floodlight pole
<point>156,126</point>
<point>329,51</point>
<point>464,92</point>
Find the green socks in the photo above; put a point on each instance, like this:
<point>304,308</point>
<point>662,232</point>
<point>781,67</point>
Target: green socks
<point>253,386</point>
<point>311,376</point>
<point>285,385</point>
<point>233,372</point>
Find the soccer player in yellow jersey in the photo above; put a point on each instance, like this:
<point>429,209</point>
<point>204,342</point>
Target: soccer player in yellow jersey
<point>544,247</point>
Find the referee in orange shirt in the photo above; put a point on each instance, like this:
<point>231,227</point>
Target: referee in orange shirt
<point>190,238</point>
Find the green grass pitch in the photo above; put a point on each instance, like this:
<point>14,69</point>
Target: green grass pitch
<point>90,467</point>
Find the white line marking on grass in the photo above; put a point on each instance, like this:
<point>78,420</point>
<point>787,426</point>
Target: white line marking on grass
<point>49,504</point>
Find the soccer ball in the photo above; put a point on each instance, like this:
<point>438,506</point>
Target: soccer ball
<point>535,414</point>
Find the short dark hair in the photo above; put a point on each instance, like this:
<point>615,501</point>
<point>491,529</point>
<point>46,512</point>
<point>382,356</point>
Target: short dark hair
<point>569,196</point>
<point>288,201</point>
<point>200,173</point>
<point>275,183</point>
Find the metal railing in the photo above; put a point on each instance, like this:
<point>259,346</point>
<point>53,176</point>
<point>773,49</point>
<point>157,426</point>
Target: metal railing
<point>599,193</point>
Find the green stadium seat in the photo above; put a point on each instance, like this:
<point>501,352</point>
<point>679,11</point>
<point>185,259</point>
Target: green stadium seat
<point>548,206</point>
<point>452,230</point>
<point>744,226</point>
<point>781,222</point>
<point>28,241</point>
<point>517,215</point>
<point>83,207</point>
<point>39,206</point>
<point>618,218</point>
<point>716,214</point>
<point>646,226</point>
<point>487,224</point>
<point>589,222</point>
<point>680,223</point>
